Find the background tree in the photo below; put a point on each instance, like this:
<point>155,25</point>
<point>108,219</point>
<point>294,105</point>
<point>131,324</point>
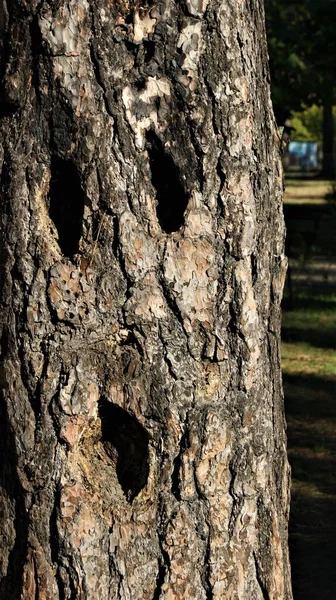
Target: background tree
<point>302,53</point>
<point>143,451</point>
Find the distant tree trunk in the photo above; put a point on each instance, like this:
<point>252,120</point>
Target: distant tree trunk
<point>328,167</point>
<point>143,448</point>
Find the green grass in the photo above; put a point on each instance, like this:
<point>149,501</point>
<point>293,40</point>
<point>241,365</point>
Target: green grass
<point>309,373</point>
<point>305,359</point>
<point>306,191</point>
<point>309,332</point>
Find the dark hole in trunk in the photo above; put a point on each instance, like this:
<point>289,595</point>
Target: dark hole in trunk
<point>171,197</point>
<point>123,432</point>
<point>254,268</point>
<point>66,207</point>
<point>149,48</point>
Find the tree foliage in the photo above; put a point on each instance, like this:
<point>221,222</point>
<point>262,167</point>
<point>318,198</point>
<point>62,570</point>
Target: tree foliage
<point>302,49</point>
<point>307,124</point>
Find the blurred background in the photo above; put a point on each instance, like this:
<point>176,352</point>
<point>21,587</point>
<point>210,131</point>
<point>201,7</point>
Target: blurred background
<point>302,51</point>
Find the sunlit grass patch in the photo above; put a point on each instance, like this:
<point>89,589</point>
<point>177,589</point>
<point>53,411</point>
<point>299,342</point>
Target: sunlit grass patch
<point>306,191</point>
<point>309,332</point>
<point>302,358</point>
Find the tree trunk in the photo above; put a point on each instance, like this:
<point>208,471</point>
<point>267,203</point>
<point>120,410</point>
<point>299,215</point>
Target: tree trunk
<point>328,167</point>
<point>143,448</point>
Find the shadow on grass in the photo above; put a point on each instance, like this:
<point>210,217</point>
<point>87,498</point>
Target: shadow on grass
<point>310,396</point>
<point>311,416</point>
<point>310,301</point>
<point>312,535</point>
<point>310,335</point>
<point>310,232</point>
<point>309,315</point>
<point>301,211</point>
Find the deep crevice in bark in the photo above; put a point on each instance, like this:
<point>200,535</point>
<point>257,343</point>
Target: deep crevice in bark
<point>16,277</point>
<point>159,581</point>
<point>164,567</point>
<point>118,253</point>
<point>236,502</point>
<point>71,571</point>
<point>11,584</point>
<point>8,105</point>
<point>206,571</point>
<point>55,545</point>
<point>232,324</point>
<point>176,483</point>
<point>66,200</point>
<point>171,197</point>
<point>65,574</point>
<point>25,378</point>
<point>259,579</point>
<point>171,302</point>
<point>254,268</point>
<point>116,239</point>
<point>36,49</point>
<point>221,175</point>
<point>133,341</point>
<point>197,168</point>
<point>122,431</point>
<point>165,354</point>
<point>113,570</point>
<point>149,50</point>
<point>37,591</point>
<point>99,79</point>
<point>173,306</point>
<point>7,109</point>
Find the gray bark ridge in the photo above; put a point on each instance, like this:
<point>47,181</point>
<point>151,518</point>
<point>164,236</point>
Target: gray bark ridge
<point>143,448</point>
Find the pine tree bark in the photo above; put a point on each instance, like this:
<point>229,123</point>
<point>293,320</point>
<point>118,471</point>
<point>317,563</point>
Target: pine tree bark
<point>143,448</point>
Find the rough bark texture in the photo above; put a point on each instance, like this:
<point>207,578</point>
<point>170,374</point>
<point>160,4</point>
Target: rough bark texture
<point>143,450</point>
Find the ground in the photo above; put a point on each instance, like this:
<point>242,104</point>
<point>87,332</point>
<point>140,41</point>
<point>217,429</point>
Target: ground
<point>309,370</point>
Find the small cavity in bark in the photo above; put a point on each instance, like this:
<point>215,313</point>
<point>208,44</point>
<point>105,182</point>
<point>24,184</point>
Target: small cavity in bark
<point>122,434</point>
<point>66,204</point>
<point>254,268</point>
<point>170,195</point>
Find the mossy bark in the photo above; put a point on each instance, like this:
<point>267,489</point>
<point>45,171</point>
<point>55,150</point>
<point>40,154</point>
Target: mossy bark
<point>143,447</point>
